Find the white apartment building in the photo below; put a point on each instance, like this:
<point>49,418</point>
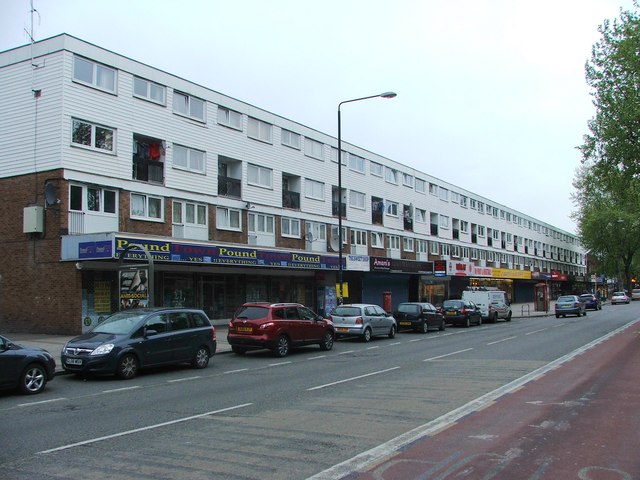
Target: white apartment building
<point>231,203</point>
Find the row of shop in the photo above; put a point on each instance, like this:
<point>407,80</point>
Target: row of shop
<point>124,271</point>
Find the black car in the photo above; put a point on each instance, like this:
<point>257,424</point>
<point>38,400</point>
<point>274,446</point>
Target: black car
<point>591,301</point>
<point>418,316</point>
<point>133,339</point>
<point>461,312</point>
<point>26,368</point>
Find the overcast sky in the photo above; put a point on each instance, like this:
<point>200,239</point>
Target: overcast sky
<point>491,93</point>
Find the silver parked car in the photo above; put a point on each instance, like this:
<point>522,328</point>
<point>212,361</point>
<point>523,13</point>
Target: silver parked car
<point>364,320</point>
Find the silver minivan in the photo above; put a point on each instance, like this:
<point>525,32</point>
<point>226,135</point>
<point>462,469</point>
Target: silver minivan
<point>363,320</point>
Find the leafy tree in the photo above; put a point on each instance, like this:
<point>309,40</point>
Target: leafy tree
<point>608,180</point>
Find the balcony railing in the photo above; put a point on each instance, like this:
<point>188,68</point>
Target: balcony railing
<point>336,208</point>
<point>290,199</point>
<point>229,187</point>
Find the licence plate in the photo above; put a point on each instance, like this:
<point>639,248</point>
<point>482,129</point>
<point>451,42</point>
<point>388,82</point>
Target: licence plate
<point>342,329</point>
<point>405,323</point>
<point>452,313</point>
<point>245,329</point>
<point>74,361</point>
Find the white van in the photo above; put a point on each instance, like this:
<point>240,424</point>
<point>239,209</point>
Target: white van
<point>493,304</point>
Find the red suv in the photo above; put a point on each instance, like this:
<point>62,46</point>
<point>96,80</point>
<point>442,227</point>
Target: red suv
<point>278,327</point>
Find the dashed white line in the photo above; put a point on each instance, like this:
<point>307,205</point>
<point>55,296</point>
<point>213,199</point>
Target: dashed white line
<point>316,358</point>
<point>279,363</point>
<point>344,353</point>
<point>447,355</point>
<point>502,340</point>
<point>373,348</point>
<point>536,331</point>
<point>416,340</point>
<point>41,402</point>
<point>142,429</point>
<point>351,379</point>
<point>395,343</point>
<point>124,389</point>
<point>184,379</point>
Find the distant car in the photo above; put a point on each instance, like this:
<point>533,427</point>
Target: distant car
<point>418,316</point>
<point>363,320</point>
<point>278,327</point>
<point>635,294</point>
<point>25,368</point>
<point>591,301</point>
<point>461,312</point>
<point>570,305</point>
<point>493,304</point>
<point>619,297</point>
<point>130,340</point>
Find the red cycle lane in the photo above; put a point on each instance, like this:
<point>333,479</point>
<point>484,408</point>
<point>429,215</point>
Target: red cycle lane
<point>578,421</point>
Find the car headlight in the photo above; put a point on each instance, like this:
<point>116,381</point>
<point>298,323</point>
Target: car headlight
<point>103,349</point>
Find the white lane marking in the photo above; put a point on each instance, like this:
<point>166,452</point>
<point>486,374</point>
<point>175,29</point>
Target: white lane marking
<point>364,460</point>
<point>372,348</point>
<point>395,343</point>
<point>416,340</point>
<point>500,341</point>
<point>447,355</point>
<point>184,379</point>
<point>316,358</point>
<point>344,353</point>
<point>41,402</point>
<point>536,331</point>
<point>279,363</point>
<point>124,389</point>
<point>559,325</point>
<point>142,429</point>
<point>236,371</point>
<point>351,379</point>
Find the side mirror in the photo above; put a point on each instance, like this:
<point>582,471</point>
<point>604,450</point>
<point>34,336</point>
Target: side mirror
<point>150,333</point>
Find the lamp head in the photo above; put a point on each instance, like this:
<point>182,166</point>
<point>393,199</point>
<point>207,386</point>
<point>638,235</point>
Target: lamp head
<point>388,95</point>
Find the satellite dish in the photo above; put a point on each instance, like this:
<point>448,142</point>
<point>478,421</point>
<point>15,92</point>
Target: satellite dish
<point>334,241</point>
<point>50,194</point>
<point>309,237</point>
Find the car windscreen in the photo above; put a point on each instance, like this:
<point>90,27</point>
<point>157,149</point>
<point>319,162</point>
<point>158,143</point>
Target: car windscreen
<point>453,304</point>
<point>252,312</point>
<point>408,308</point>
<point>346,311</point>
<point>119,323</point>
<point>566,299</point>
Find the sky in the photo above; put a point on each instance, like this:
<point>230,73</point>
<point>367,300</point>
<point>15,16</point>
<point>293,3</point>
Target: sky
<point>491,94</point>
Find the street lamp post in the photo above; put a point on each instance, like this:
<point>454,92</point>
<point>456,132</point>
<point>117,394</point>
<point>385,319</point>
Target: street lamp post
<point>340,269</point>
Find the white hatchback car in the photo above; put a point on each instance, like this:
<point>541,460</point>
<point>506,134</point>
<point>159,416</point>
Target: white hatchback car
<point>619,297</point>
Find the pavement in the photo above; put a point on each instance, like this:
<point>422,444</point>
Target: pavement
<point>55,343</point>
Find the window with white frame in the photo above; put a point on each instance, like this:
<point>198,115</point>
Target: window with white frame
<point>358,237</point>
<point>334,156</point>
<point>92,199</point>
<point>407,244</point>
<point>317,230</point>
<point>290,227</point>
<point>189,106</point>
<point>455,251</point>
<point>407,180</point>
<point>420,215</point>
<point>481,230</point>
<point>228,219</point>
<point>391,208</point>
<point>229,118</point>
<point>421,185</point>
<point>464,226</point>
<point>377,240</point>
<point>146,207</point>
<point>444,221</point>
<point>473,204</point>
<point>464,251</point>
<point>422,246</point>
<point>463,201</point>
<point>148,90</point>
<point>433,189</point>
<point>444,194</point>
<point>434,248</point>
<point>261,223</point>
<point>291,139</point>
<point>482,255</point>
<point>259,130</point>
<point>313,189</point>
<point>357,199</point>
<point>474,254</point>
<point>393,242</point>
<point>259,176</point>
<point>94,74</point>
<point>496,234</point>
<point>445,249</point>
<point>391,175</point>
<point>376,169</point>
<point>189,213</point>
<point>455,197</point>
<point>356,163</point>
<point>313,148</point>
<point>481,207</point>
<point>188,158</point>
<point>91,135</point>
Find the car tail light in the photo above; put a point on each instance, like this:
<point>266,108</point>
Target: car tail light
<point>213,332</point>
<point>359,321</point>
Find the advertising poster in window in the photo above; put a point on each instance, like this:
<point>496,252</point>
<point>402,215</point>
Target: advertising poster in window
<point>134,288</point>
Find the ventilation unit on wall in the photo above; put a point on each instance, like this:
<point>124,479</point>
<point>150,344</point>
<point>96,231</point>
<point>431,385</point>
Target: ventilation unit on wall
<point>33,219</point>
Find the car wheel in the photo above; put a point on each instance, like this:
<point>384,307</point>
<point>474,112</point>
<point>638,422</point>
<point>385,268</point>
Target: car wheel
<point>495,318</point>
<point>509,317</point>
<point>327,341</point>
<point>33,379</point>
<point>467,324</point>
<point>127,367</point>
<point>584,314</point>
<point>442,326</point>
<point>238,350</point>
<point>480,321</point>
<point>201,358</point>
<point>366,336</point>
<point>392,332</point>
<point>425,327</point>
<point>282,346</point>
<point>557,316</point>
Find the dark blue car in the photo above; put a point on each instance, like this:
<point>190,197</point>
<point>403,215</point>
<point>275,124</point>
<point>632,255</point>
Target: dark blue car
<point>591,301</point>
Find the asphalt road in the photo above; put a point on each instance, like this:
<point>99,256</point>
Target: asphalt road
<point>257,417</point>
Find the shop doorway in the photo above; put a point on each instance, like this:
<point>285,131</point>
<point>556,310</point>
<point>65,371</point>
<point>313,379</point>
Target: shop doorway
<point>212,295</point>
